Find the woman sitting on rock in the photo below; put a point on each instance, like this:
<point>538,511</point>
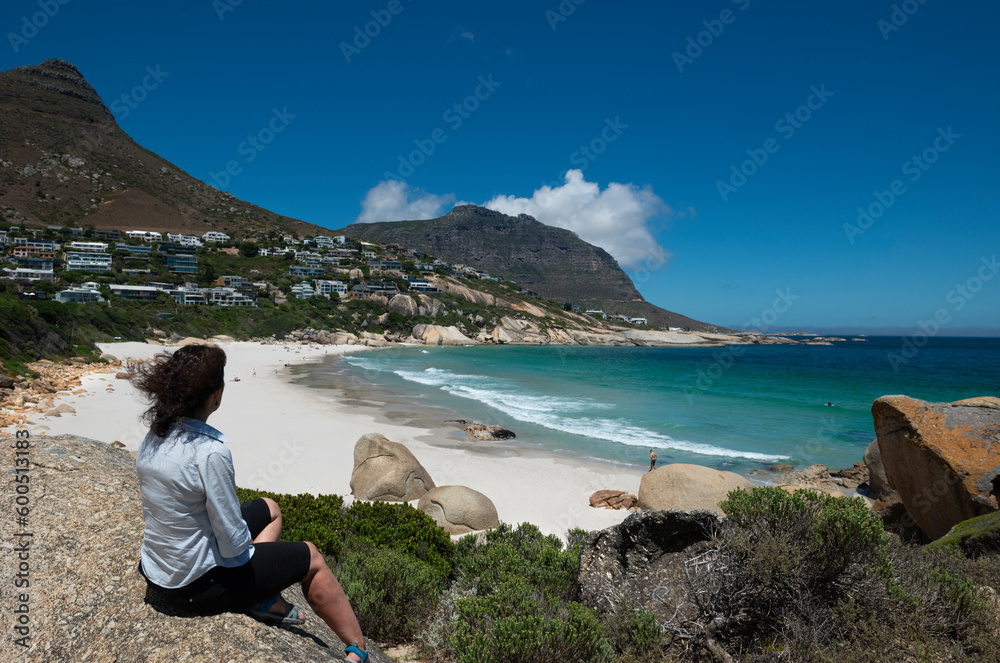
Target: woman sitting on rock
<point>202,550</point>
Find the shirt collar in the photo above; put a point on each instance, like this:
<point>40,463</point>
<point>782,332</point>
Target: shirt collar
<point>195,426</point>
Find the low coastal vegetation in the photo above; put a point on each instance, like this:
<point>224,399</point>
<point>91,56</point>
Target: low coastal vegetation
<point>785,577</point>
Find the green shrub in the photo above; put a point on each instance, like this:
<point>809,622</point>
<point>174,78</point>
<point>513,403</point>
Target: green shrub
<point>404,528</point>
<point>809,577</point>
<point>523,552</point>
<point>635,634</point>
<point>307,518</point>
<point>393,593</point>
<point>518,624</point>
<point>511,602</point>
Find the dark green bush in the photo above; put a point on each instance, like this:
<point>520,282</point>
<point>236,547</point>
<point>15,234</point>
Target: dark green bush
<point>809,577</point>
<point>635,634</point>
<point>307,518</point>
<point>523,552</point>
<point>404,528</point>
<point>393,593</point>
<point>516,623</point>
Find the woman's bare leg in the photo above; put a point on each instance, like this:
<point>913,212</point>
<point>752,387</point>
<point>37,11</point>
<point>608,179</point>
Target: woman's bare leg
<point>327,598</point>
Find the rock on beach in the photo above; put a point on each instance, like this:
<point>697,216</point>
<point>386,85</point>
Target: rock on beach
<point>688,487</point>
<point>940,457</point>
<point>387,471</point>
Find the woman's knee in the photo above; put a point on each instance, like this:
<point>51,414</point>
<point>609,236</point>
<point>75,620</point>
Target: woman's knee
<point>273,507</point>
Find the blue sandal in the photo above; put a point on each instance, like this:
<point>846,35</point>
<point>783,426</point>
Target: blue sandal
<point>353,649</point>
<point>263,613</point>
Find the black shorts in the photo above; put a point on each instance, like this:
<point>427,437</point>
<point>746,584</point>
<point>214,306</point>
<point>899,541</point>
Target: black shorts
<point>273,567</point>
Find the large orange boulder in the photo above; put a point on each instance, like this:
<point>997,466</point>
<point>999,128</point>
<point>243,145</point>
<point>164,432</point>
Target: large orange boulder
<point>940,457</point>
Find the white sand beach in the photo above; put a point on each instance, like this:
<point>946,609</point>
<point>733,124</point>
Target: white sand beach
<point>289,438</point>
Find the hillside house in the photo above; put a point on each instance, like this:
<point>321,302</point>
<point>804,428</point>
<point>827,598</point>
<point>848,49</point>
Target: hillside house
<point>144,236</point>
<point>326,288</point>
<point>90,262</point>
<point>84,293</point>
<point>215,236</point>
<point>305,270</point>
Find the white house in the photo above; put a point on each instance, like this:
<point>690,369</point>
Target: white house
<point>326,287</point>
<point>91,262</point>
<point>214,236</point>
<point>25,274</point>
<point>83,294</point>
<point>144,236</point>
<point>88,247</point>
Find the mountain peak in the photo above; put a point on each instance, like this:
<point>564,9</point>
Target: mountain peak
<point>485,212</point>
<point>53,76</point>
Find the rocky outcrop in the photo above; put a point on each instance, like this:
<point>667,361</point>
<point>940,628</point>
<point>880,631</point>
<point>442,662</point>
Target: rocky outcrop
<point>404,305</point>
<point>440,335</point>
<point>485,433</point>
<point>27,399</point>
<point>644,552</point>
<point>614,499</point>
<point>655,338</point>
<point>940,457</point>
<point>878,485</point>
<point>385,470</point>
<point>87,601</point>
<point>852,477</point>
<point>687,487</point>
<point>459,510</point>
<point>816,477</point>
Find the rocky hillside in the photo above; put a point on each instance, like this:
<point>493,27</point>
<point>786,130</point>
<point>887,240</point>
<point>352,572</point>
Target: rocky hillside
<point>551,261</point>
<point>64,160</point>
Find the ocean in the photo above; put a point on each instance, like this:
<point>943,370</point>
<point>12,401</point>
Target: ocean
<point>737,408</point>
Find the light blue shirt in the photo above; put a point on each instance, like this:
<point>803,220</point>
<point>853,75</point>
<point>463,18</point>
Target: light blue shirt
<point>189,503</point>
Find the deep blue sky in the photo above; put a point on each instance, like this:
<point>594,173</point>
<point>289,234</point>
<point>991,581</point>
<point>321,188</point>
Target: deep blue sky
<point>608,67</point>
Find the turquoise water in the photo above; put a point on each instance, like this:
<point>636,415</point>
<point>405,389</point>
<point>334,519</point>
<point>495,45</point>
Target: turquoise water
<point>736,408</point>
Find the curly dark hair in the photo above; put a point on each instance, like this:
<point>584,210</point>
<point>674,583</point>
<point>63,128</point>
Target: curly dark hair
<point>179,383</point>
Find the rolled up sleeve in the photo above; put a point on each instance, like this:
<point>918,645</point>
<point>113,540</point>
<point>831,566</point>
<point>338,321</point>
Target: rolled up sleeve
<point>223,506</point>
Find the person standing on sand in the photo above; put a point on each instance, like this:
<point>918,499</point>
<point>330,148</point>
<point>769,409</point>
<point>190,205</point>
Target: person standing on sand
<point>202,550</point>
<point>652,460</point>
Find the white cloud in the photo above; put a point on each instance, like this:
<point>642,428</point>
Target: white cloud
<point>459,32</point>
<point>614,219</point>
<point>393,200</point>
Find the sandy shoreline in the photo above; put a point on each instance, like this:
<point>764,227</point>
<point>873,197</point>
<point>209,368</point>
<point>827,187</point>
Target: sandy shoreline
<point>290,438</point>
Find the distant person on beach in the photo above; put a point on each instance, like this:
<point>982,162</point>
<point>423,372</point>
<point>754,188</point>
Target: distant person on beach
<point>204,551</point>
<point>652,460</point>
